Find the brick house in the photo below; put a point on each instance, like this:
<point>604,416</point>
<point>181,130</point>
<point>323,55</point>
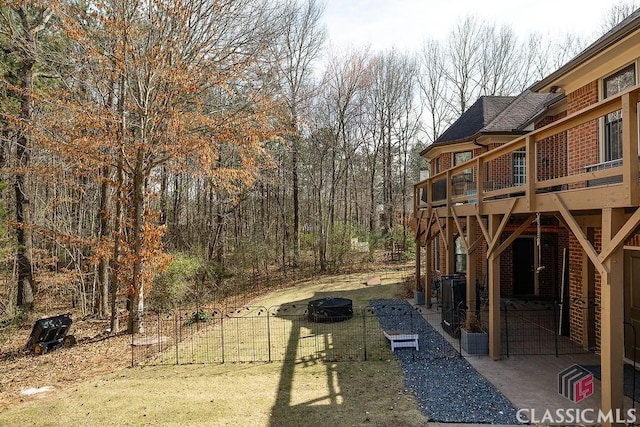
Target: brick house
<point>518,182</point>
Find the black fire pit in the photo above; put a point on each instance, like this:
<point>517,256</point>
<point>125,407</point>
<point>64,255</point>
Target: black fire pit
<point>329,310</point>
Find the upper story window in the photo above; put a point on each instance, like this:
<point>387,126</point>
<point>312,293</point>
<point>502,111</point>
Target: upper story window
<point>519,167</point>
<point>461,157</point>
<point>436,165</point>
<point>612,131</point>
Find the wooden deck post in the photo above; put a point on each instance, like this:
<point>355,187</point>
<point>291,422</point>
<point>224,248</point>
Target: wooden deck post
<point>630,146</point>
<point>451,246</point>
<point>418,262</point>
<point>612,316</point>
<point>494,293</point>
<point>471,263</point>
<point>428,273</point>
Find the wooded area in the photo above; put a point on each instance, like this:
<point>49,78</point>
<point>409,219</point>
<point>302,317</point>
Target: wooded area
<point>223,135</point>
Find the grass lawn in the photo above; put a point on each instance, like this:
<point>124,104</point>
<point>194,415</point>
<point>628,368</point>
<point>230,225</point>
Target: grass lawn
<point>244,394</point>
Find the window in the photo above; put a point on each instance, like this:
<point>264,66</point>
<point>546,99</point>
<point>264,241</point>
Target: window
<point>519,168</point>
<point>436,165</point>
<point>612,136</point>
<point>461,157</point>
<point>461,256</point>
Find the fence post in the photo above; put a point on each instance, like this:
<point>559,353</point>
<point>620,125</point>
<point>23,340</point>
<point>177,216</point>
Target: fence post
<point>176,319</point>
<point>222,336</point>
<point>364,332</point>
<point>633,330</point>
<point>269,333</point>
<point>506,327</point>
<point>555,326</point>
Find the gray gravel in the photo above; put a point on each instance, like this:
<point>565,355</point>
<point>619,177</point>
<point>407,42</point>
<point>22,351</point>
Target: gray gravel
<point>447,388</point>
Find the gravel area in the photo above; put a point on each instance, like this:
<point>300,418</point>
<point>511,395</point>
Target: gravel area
<point>447,388</point>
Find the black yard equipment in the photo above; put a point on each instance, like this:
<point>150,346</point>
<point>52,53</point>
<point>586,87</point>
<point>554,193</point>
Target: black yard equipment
<point>49,333</point>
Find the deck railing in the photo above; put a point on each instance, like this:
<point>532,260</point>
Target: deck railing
<point>559,157</point>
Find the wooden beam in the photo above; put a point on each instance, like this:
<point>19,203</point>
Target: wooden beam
<point>630,146</point>
<point>513,236</point>
<point>494,295</point>
<point>530,162</point>
<point>418,233</point>
<point>495,239</point>
<point>460,229</point>
<point>612,318</point>
<point>620,237</point>
<point>475,244</point>
<point>480,181</point>
<point>472,258</point>
<point>485,233</point>
<point>577,232</point>
<point>442,233</point>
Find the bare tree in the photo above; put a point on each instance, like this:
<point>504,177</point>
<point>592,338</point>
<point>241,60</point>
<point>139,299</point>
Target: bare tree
<point>464,58</point>
<point>295,51</point>
<point>434,89</point>
<point>618,13</point>
<point>21,31</point>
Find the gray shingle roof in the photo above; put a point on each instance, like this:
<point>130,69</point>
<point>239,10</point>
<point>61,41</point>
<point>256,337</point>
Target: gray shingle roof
<point>481,113</point>
<point>497,115</point>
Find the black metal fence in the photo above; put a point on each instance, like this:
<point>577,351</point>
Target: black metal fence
<point>284,333</point>
<point>535,328</point>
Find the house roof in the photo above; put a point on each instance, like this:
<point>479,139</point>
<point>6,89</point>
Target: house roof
<point>627,26</point>
<point>496,115</point>
<point>481,113</point>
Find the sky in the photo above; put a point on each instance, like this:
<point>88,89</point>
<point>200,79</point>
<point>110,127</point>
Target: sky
<point>405,24</point>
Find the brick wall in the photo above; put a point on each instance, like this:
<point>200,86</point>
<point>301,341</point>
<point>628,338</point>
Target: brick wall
<point>582,141</point>
<point>551,152</point>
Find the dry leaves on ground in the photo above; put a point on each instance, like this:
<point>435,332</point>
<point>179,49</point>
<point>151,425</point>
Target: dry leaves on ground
<point>94,354</point>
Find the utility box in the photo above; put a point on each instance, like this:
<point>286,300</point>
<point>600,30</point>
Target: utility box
<point>454,302</point>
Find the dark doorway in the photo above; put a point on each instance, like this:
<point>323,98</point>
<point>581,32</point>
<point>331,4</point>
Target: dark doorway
<point>523,266</point>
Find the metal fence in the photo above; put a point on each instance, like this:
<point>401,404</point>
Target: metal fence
<point>283,333</point>
<point>534,328</point>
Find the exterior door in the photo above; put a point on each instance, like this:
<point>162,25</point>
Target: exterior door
<point>632,304</point>
<point>524,281</point>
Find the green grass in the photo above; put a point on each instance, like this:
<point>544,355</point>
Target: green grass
<point>308,392</point>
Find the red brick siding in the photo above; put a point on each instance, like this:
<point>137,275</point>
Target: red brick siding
<point>551,152</point>
<point>582,140</point>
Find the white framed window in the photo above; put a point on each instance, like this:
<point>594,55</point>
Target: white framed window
<point>611,134</point>
<point>436,165</point>
<point>519,161</point>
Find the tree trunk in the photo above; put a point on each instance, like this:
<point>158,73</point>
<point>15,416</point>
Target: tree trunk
<point>296,203</point>
<point>136,296</point>
<point>26,284</point>
<point>102,296</point>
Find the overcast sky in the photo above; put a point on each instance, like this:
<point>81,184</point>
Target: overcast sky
<point>405,24</point>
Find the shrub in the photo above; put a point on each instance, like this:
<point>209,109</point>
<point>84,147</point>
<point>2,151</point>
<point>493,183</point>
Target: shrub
<point>171,287</point>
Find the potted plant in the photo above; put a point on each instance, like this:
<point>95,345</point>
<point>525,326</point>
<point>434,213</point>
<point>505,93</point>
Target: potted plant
<point>473,338</point>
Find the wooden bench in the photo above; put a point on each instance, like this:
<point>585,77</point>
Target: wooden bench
<point>400,339</point>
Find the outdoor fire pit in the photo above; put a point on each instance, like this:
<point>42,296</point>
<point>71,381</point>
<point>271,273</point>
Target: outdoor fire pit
<point>329,310</point>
